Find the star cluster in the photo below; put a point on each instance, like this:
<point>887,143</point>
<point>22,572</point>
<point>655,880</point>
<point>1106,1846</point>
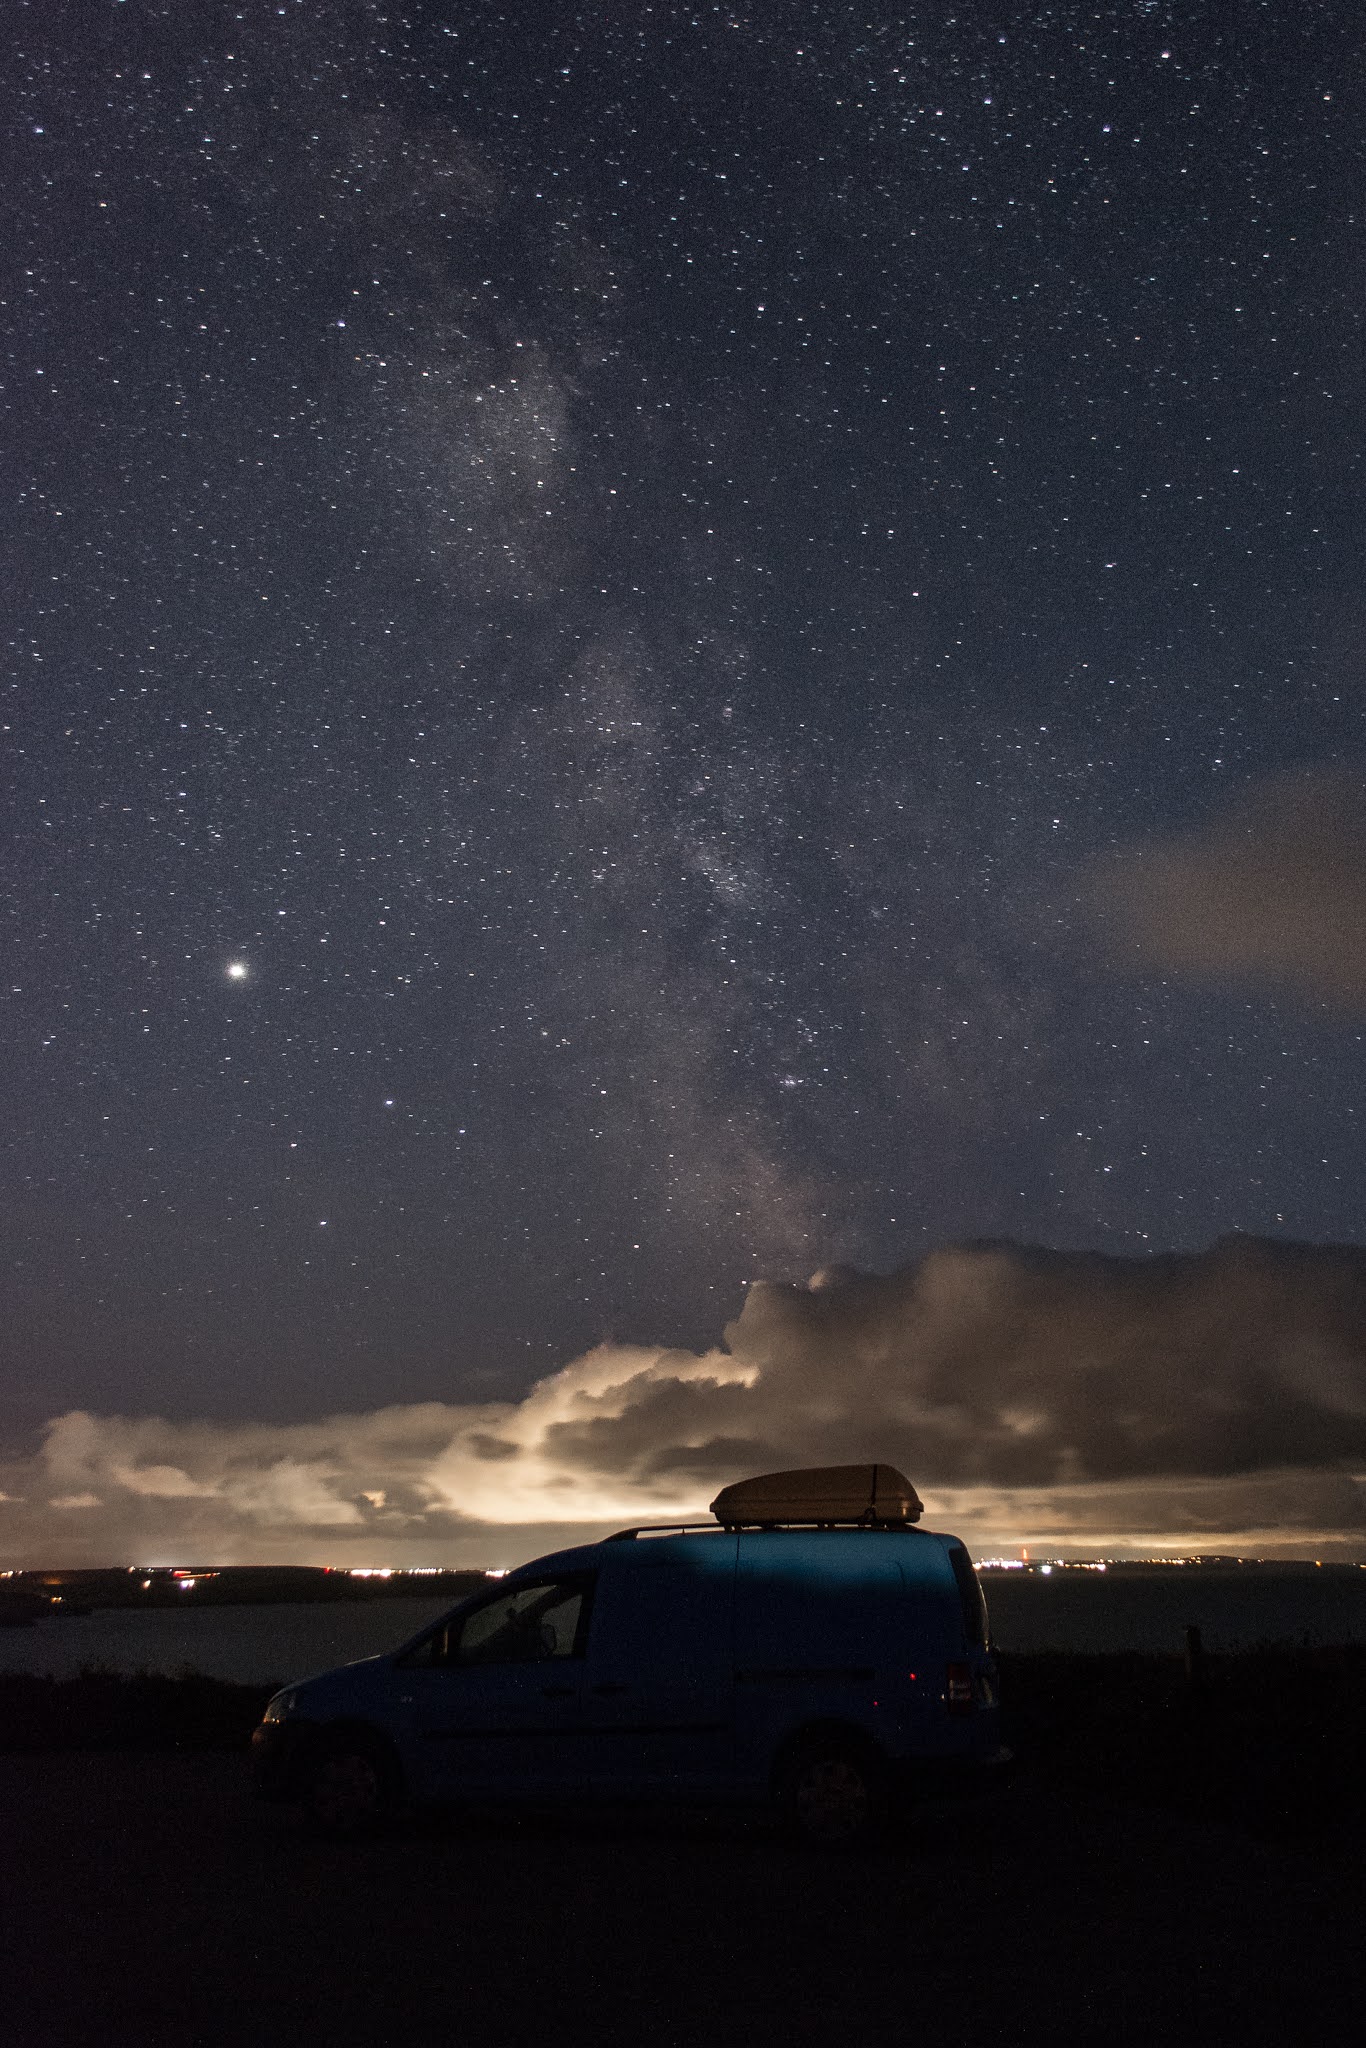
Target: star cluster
<point>586,590</point>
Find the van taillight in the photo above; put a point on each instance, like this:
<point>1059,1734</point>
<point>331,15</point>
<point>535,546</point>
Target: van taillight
<point>959,1690</point>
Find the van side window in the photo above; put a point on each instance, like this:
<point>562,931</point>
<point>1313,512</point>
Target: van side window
<point>525,1625</point>
<point>970,1596</point>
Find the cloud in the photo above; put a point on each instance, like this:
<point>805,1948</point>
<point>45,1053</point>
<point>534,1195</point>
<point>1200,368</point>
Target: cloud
<point>1273,890</point>
<point>1030,1394</point>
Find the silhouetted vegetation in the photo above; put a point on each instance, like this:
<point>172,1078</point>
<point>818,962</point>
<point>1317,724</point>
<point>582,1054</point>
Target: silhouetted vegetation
<point>103,1710</point>
<point>1268,1739</point>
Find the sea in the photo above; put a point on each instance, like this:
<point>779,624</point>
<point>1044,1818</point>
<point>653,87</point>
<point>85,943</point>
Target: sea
<point>1237,1607</point>
<point>249,1645</point>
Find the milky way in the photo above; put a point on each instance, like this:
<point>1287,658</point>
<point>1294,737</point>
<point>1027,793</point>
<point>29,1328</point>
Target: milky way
<point>608,616</point>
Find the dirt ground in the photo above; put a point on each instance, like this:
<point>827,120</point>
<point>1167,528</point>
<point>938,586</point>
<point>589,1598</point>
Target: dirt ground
<point>149,1900</point>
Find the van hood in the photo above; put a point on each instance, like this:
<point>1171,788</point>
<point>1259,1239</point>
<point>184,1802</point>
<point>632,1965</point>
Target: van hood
<point>348,1689</point>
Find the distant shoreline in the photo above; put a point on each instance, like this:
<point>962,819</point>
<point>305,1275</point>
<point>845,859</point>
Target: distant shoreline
<point>33,1595</point>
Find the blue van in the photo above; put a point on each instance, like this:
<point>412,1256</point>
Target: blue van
<point>816,1666</point>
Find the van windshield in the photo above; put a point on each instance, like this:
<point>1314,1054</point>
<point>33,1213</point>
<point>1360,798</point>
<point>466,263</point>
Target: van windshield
<point>970,1596</point>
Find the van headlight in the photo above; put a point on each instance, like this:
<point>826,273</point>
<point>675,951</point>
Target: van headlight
<point>281,1707</point>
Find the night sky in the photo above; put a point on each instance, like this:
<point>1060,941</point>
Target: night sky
<point>650,647</point>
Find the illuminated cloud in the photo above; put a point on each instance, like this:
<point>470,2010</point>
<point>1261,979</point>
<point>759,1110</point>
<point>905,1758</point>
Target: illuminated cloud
<point>1032,1395</point>
<point>1273,890</point>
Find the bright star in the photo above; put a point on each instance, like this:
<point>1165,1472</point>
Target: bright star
<point>237,970</point>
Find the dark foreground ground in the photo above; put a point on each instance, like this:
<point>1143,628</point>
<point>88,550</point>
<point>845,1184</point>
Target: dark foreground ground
<point>1128,1889</point>
<point>145,1900</point>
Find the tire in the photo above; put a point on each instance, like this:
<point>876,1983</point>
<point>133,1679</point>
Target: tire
<point>833,1794</point>
<point>350,1787</point>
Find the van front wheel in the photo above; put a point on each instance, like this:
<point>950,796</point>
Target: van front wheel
<point>349,1787</point>
<point>832,1795</point>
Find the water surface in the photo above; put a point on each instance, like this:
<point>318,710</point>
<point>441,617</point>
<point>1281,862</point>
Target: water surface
<point>253,1645</point>
<point>1238,1609</point>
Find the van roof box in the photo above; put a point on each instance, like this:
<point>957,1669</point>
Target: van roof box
<point>870,1496</point>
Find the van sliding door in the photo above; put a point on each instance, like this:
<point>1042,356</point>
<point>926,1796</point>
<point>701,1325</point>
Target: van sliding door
<point>657,1688</point>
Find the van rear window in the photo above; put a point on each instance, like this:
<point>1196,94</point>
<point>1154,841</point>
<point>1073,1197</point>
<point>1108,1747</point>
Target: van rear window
<point>970,1596</point>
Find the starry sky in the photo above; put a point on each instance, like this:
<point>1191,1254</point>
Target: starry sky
<point>653,646</point>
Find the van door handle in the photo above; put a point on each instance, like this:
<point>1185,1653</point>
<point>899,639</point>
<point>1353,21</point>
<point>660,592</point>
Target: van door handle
<point>557,1692</point>
<point>611,1688</point>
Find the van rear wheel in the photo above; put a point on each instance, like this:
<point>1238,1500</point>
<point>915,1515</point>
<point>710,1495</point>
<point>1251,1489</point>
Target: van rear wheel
<point>833,1795</point>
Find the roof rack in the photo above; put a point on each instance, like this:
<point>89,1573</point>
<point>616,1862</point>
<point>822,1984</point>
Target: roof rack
<point>729,1528</point>
<point>866,1521</point>
<point>657,1529</point>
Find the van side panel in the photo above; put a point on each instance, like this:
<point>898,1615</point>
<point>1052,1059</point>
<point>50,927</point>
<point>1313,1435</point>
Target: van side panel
<point>851,1628</point>
<point>816,1615</point>
<point>811,1602</point>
